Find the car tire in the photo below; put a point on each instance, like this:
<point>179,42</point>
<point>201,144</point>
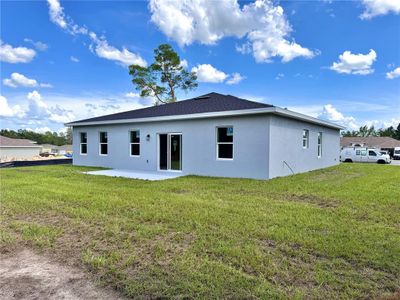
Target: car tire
<point>381,161</point>
<point>348,160</point>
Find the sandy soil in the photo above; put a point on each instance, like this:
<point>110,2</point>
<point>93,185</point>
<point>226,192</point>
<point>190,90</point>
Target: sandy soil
<point>26,275</point>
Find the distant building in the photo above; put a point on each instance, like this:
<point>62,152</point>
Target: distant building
<point>18,149</point>
<point>378,142</point>
<point>56,150</point>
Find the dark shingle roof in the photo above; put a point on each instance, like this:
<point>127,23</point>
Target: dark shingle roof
<point>212,102</point>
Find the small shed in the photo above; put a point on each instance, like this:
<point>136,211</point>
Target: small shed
<point>18,149</point>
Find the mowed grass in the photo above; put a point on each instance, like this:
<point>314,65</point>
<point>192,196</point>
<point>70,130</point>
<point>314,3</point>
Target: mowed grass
<point>332,233</point>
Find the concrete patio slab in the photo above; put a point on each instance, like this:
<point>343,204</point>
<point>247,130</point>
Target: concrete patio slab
<point>136,174</point>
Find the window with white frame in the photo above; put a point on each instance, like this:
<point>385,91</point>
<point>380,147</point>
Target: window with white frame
<point>319,144</point>
<point>305,138</point>
<point>225,142</point>
<point>83,143</point>
<point>103,143</point>
<point>134,143</point>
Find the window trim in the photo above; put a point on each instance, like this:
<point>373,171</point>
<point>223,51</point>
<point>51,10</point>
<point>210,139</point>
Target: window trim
<point>80,143</point>
<point>100,143</point>
<point>307,138</point>
<point>225,143</point>
<point>130,143</point>
<point>319,144</point>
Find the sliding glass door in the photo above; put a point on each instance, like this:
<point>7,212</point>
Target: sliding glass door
<point>170,151</point>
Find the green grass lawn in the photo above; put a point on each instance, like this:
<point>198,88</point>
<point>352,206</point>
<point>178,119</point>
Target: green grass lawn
<point>332,233</point>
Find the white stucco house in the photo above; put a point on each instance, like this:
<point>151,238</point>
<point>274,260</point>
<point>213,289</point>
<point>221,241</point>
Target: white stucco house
<point>211,135</point>
<point>18,149</point>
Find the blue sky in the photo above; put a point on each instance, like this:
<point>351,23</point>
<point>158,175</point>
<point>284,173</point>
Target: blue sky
<point>337,60</point>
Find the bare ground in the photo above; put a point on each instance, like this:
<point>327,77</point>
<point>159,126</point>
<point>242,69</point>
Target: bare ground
<point>27,275</point>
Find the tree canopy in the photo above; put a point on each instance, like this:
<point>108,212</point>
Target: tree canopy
<point>164,77</point>
<point>365,131</point>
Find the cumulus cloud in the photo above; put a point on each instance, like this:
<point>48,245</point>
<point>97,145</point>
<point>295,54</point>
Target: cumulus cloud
<point>20,80</point>
<point>393,74</point>
<point>375,8</point>
<point>279,76</point>
<point>207,73</point>
<point>184,63</point>
<point>235,78</point>
<point>39,110</point>
<point>38,45</point>
<point>74,59</point>
<point>261,23</point>
<point>124,56</point>
<point>8,111</point>
<point>15,55</point>
<point>330,113</point>
<point>100,45</point>
<point>210,74</point>
<point>359,64</point>
<point>132,95</point>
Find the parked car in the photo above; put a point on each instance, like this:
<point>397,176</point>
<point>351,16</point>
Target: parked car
<point>367,155</point>
<point>396,153</point>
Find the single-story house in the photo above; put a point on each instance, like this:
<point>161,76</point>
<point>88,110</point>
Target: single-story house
<point>378,142</point>
<point>17,149</point>
<point>210,135</point>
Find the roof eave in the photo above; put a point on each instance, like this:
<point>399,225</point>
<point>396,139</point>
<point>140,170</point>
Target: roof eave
<point>232,113</point>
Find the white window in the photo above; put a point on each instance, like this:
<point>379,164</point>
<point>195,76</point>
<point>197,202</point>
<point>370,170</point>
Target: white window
<point>225,142</point>
<point>134,144</point>
<point>319,144</point>
<point>103,144</point>
<point>83,143</point>
<point>305,138</point>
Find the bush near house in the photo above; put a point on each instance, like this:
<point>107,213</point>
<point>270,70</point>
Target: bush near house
<point>331,233</point>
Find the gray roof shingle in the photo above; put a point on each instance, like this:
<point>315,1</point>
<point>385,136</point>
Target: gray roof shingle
<point>212,102</point>
<point>9,142</point>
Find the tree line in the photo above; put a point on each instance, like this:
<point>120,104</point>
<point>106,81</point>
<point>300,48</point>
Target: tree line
<point>48,137</point>
<point>365,131</point>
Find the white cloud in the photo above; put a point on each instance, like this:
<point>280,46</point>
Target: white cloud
<point>207,73</point>
<point>355,63</point>
<point>184,63</point>
<point>38,45</point>
<point>38,109</point>
<point>330,113</point>
<point>101,47</point>
<point>20,80</point>
<point>375,8</point>
<point>56,13</point>
<point>261,23</point>
<point>7,111</point>
<point>15,55</point>
<point>40,129</point>
<point>393,74</point>
<point>235,78</point>
<point>279,76</point>
<point>74,59</point>
<point>132,95</point>
<point>124,56</point>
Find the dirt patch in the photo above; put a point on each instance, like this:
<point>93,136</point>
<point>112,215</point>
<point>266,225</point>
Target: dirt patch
<point>312,199</point>
<point>26,275</point>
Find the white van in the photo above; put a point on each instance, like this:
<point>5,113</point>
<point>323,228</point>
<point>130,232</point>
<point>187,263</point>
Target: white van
<point>396,153</point>
<point>353,154</point>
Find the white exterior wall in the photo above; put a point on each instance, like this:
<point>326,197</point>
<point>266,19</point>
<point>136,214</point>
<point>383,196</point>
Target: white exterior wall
<point>19,152</point>
<point>262,143</point>
<point>199,155</point>
<point>286,140</point>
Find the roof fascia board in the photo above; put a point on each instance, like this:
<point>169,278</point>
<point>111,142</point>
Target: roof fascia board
<point>232,113</point>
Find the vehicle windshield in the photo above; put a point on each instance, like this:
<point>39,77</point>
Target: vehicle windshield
<point>396,151</point>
